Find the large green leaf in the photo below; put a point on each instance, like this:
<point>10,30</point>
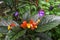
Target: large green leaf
<point>21,33</point>
<point>48,22</point>
<point>14,35</point>
<point>42,36</point>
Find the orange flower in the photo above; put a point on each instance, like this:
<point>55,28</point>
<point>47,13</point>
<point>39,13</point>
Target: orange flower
<point>33,24</point>
<point>31,21</point>
<point>24,24</point>
<point>32,27</point>
<point>12,24</point>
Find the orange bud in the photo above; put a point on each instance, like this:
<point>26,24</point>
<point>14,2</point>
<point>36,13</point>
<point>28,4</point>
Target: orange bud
<point>12,24</point>
<point>31,21</point>
<point>35,26</point>
<point>24,23</point>
<point>32,27</point>
<point>22,26</point>
<point>38,21</point>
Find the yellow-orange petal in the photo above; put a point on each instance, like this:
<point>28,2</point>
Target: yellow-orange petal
<point>38,21</point>
<point>35,26</point>
<point>28,25</point>
<point>9,28</point>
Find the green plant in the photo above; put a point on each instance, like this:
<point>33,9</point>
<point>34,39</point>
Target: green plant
<point>27,12</point>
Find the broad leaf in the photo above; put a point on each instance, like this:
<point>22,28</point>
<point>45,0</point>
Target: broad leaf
<point>42,36</point>
<point>48,22</point>
<point>14,35</point>
<point>21,33</point>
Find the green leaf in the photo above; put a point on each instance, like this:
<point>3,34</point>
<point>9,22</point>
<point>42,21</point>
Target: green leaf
<point>48,22</point>
<point>9,3</point>
<point>33,7</point>
<point>47,13</point>
<point>3,29</point>
<point>42,36</point>
<point>57,2</point>
<point>19,34</point>
<point>14,35</point>
<point>58,13</point>
<point>1,35</point>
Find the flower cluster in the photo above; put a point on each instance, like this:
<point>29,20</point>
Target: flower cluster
<point>31,24</point>
<point>11,25</point>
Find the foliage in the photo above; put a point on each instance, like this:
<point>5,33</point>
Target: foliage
<point>28,9</point>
